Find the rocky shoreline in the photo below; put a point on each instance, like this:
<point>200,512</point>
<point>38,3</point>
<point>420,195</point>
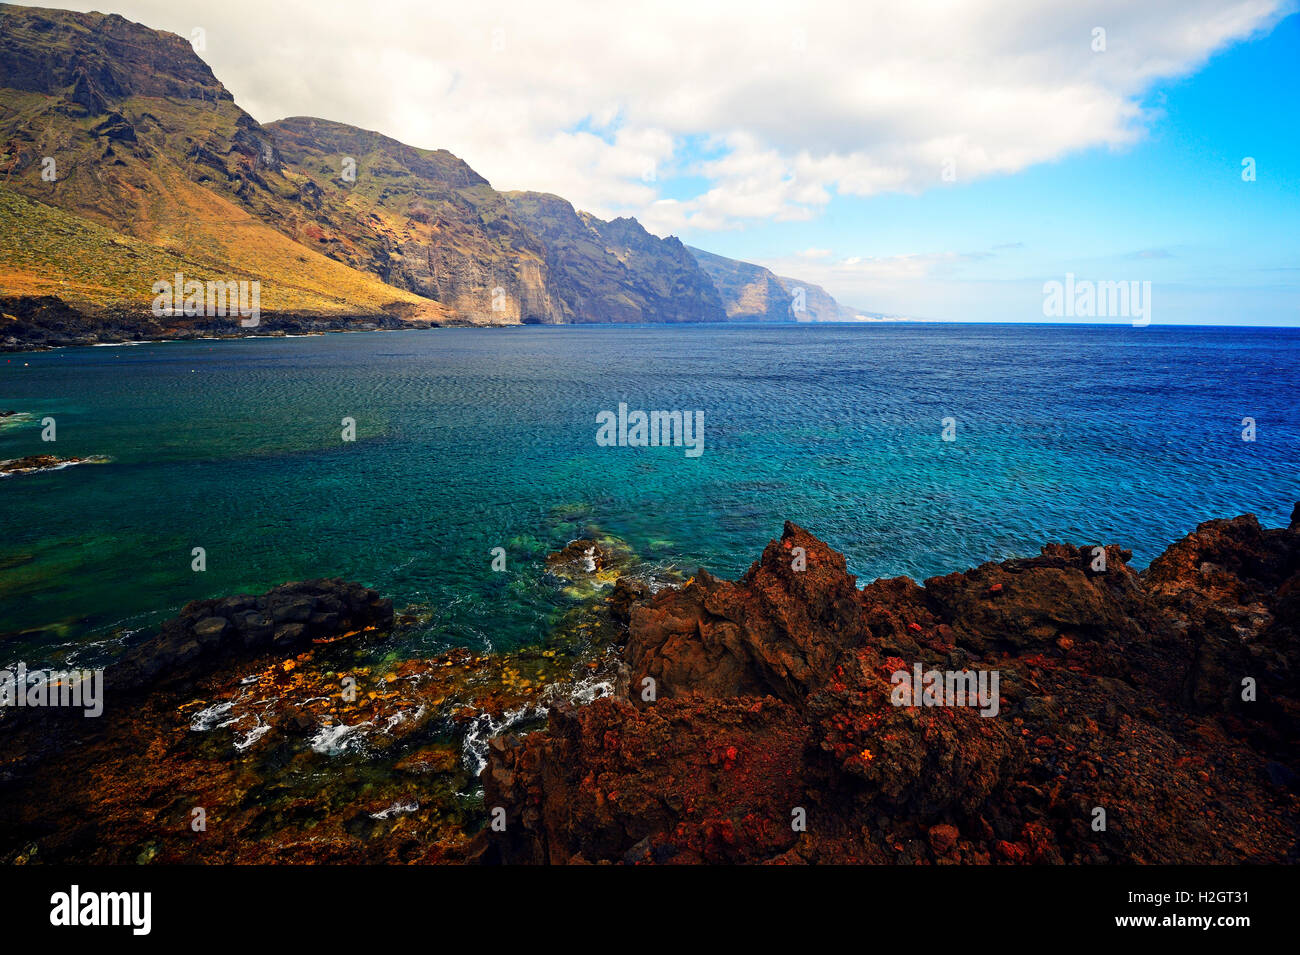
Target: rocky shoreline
<point>1141,717</point>
<point>41,323</point>
<point>1120,691</point>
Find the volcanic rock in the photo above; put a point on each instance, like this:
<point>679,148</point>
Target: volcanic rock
<point>209,634</point>
<point>38,462</point>
<point>1141,717</point>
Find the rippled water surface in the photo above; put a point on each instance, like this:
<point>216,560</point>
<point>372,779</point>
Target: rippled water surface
<point>470,439</point>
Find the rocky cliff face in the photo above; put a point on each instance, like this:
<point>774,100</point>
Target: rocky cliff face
<point>812,303</point>
<point>750,293</point>
<point>111,58</point>
<point>616,271</point>
<point>157,169</point>
<point>1165,699</point>
<point>419,219</point>
<point>126,161</point>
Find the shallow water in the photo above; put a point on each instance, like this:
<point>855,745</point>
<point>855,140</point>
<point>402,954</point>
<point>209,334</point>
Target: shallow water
<point>471,439</point>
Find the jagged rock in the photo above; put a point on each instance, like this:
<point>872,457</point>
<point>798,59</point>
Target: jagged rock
<point>577,559</point>
<point>628,591</point>
<point>1117,690</point>
<point>771,632</point>
<point>657,766</point>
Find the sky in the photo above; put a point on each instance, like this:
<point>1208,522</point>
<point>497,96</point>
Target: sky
<point>934,159</point>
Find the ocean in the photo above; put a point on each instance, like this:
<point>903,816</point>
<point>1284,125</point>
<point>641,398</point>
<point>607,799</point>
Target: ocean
<point>467,440</point>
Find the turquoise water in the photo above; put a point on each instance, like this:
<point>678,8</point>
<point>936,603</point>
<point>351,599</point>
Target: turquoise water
<point>470,439</point>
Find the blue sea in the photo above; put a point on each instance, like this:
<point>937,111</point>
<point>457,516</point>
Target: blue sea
<point>474,439</point>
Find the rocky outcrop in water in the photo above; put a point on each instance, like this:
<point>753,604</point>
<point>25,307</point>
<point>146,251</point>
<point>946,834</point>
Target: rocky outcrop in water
<point>287,718</point>
<point>39,322</point>
<point>212,634</point>
<point>1139,717</point>
<point>35,463</point>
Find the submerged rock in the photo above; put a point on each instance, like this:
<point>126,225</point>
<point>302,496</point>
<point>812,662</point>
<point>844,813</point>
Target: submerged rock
<point>286,718</point>
<point>578,559</point>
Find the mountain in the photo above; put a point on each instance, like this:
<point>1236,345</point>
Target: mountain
<point>818,305</point>
<point>616,271</point>
<point>418,219</point>
<point>152,166</point>
<point>750,293</point>
<point>124,160</point>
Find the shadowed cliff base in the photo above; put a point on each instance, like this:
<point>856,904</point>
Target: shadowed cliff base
<point>1165,699</point>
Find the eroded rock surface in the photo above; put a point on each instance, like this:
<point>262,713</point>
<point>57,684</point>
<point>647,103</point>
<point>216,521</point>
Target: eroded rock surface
<point>1119,691</point>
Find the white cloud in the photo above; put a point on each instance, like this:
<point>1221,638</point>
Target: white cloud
<point>918,285</point>
<point>604,105</point>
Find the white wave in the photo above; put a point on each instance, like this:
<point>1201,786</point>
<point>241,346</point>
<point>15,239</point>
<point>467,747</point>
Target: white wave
<point>339,739</point>
<point>401,716</point>
<point>483,729</point>
<point>402,805</point>
<point>213,717</point>
<point>582,692</point>
<point>251,737</point>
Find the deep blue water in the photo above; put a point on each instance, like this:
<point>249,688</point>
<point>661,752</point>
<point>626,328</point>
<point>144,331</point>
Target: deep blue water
<point>469,439</point>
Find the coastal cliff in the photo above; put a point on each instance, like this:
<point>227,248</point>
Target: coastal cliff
<point>751,293</point>
<point>125,161</point>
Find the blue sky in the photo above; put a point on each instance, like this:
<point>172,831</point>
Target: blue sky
<point>1172,209</point>
<point>810,137</point>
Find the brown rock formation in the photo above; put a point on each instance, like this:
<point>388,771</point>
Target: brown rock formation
<point>42,462</point>
<point>772,734</point>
